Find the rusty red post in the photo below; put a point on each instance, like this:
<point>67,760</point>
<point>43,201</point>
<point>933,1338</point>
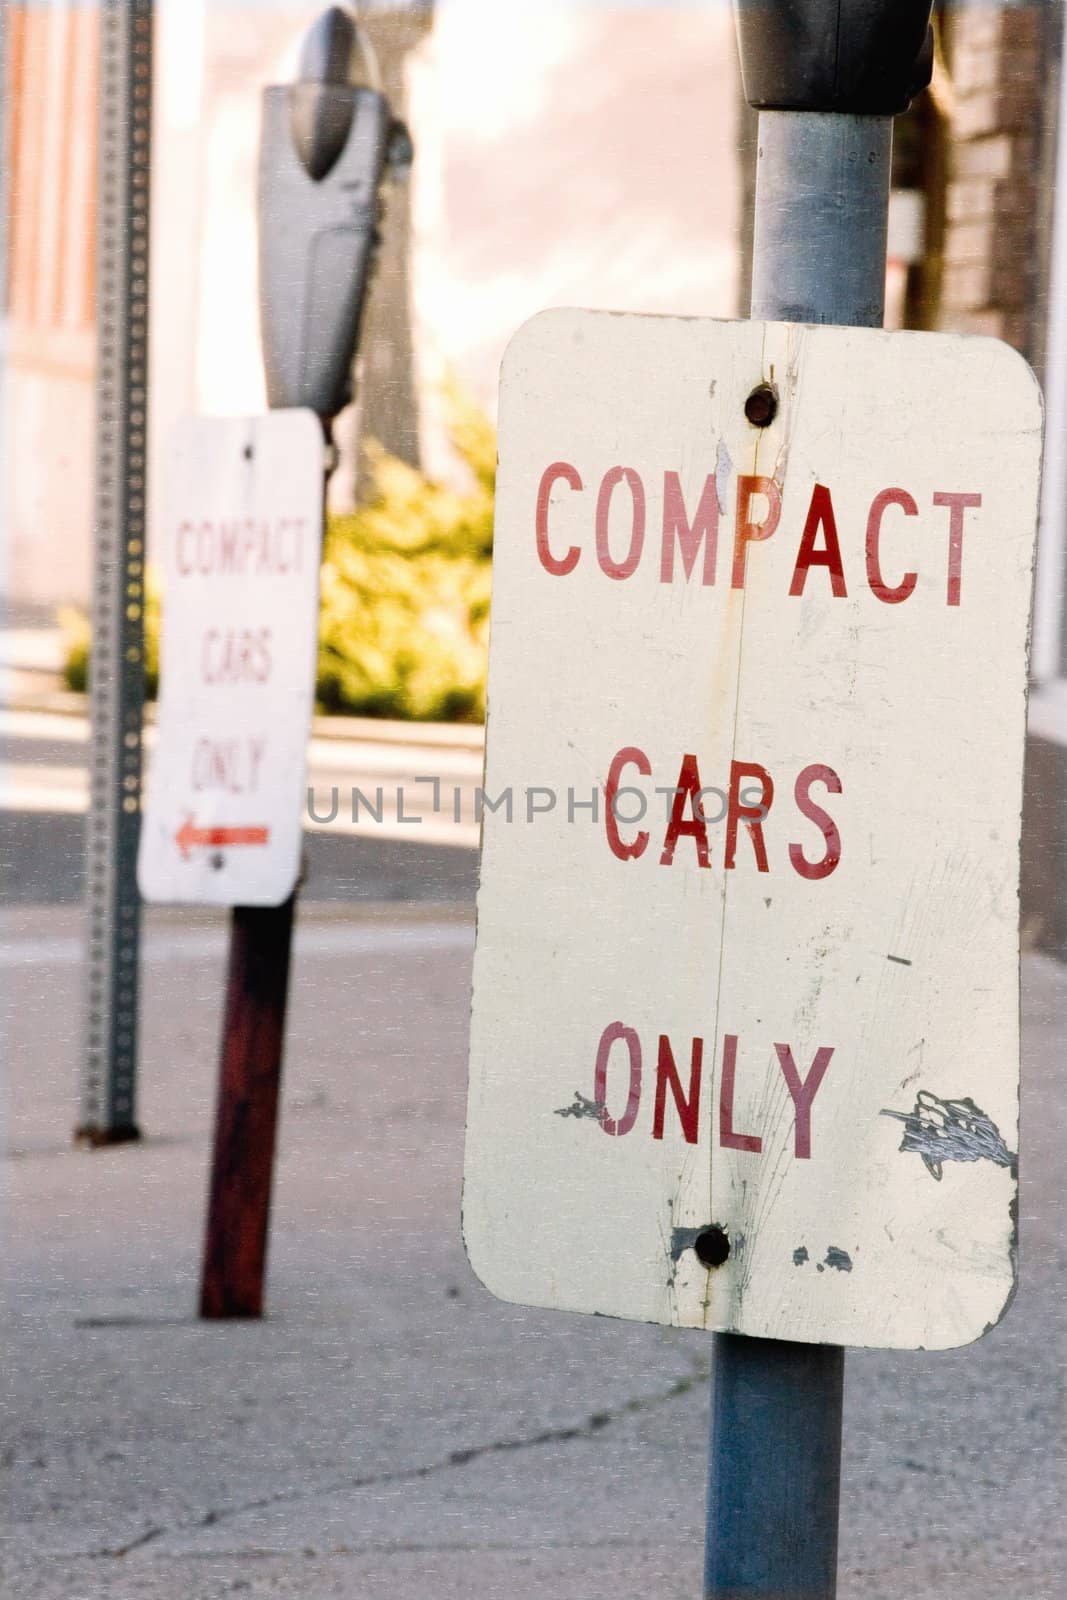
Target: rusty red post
<point>238,1219</point>
<point>246,1115</point>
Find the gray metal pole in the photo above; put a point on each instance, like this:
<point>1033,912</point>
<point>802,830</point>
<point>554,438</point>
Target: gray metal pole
<point>116,689</point>
<point>822,205</point>
<point>822,197</point>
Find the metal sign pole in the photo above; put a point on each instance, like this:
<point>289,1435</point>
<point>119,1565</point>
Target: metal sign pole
<point>116,688</point>
<point>819,256</point>
<point>327,142</point>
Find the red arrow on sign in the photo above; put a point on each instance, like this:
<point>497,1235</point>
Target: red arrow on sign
<point>189,835</point>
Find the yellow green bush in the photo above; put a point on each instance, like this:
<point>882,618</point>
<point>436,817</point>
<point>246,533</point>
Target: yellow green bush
<point>77,634</point>
<point>405,592</point>
<point>405,589</point>
<point>77,640</point>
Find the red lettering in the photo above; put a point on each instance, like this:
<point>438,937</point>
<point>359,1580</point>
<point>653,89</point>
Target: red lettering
<point>613,1032</point>
<point>687,788</point>
<point>240,656</point>
<point>820,515</point>
<point>630,756</point>
<point>751,815</point>
<point>879,588</point>
<point>803,1092</point>
<point>816,773</point>
<point>957,504</point>
<point>728,1139</point>
<point>559,566</point>
<point>256,748</point>
<point>748,530</point>
<point>227,557</point>
<point>209,643</point>
<point>705,527</point>
<point>611,480</point>
<point>687,1106</point>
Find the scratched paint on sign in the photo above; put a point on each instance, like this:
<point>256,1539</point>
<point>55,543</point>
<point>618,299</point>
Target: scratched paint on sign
<point>747,957</point>
<point>241,537</point>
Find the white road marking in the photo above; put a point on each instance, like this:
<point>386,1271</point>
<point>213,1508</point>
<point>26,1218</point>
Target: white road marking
<point>170,945</point>
<point>335,765</point>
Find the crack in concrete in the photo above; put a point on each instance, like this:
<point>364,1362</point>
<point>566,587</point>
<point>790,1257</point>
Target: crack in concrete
<point>117,1551</point>
<point>590,1428</point>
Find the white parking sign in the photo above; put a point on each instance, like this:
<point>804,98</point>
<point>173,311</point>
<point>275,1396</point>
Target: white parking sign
<point>242,538</point>
<point>745,1025</point>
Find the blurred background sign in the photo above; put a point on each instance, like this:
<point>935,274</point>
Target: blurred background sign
<point>242,541</point>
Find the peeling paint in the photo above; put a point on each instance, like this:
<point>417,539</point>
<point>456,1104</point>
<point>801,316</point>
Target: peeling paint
<point>840,1260</point>
<point>951,1130</point>
<point>582,1107</point>
<point>723,468</point>
<point>800,1255</point>
<point>683,1239</point>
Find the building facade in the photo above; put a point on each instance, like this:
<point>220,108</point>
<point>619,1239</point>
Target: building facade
<point>1004,273</point>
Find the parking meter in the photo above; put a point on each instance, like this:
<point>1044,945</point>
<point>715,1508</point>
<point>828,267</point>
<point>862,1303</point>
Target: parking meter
<point>328,142</point>
<point>865,57</point>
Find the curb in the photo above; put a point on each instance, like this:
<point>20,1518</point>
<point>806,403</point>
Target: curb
<point>357,730</point>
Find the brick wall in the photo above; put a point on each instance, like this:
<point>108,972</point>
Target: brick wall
<point>52,83</point>
<point>994,203</point>
<point>1004,65</point>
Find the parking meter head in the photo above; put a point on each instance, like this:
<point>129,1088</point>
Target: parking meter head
<point>324,153</point>
<point>336,58</point>
<point>336,50</point>
<point>861,57</point>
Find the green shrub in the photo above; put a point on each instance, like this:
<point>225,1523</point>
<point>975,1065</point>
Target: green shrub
<point>74,626</point>
<point>77,639</point>
<point>405,592</point>
<point>405,589</point>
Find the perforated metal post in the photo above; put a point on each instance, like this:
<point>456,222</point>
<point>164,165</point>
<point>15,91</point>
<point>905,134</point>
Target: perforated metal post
<point>116,689</point>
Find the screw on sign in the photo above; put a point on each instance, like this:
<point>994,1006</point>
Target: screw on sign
<point>769,1002</point>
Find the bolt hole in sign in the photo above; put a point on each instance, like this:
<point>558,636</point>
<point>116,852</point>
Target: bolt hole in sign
<point>747,958</point>
<point>241,536</point>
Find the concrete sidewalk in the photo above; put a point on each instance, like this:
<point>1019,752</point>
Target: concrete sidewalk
<point>390,1430</point>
